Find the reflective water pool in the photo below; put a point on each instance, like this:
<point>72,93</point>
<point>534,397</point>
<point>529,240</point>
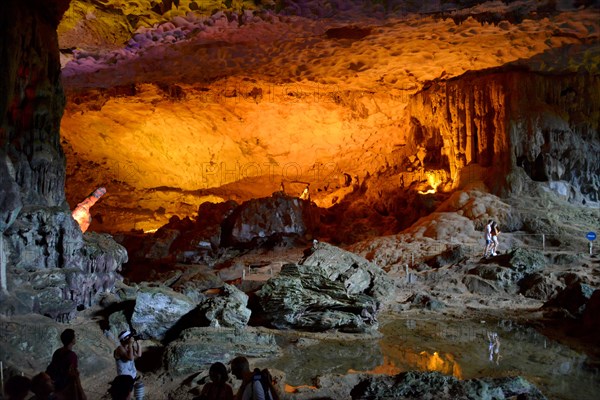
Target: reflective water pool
<point>464,349</point>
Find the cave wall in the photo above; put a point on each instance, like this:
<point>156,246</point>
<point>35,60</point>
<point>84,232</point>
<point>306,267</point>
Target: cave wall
<point>47,265</point>
<point>546,124</point>
<point>32,98</point>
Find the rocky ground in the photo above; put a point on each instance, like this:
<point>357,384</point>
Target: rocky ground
<point>433,270</point>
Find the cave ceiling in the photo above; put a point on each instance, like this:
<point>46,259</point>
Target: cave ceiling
<point>177,102</point>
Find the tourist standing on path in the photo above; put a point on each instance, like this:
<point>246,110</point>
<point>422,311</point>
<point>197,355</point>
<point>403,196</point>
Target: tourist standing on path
<point>125,355</point>
<point>495,231</point>
<point>488,239</point>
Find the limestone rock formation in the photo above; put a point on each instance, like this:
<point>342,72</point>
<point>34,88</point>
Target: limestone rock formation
<point>540,286</point>
<point>203,238</point>
<point>50,268</point>
<point>157,310</point>
<point>53,269</point>
<point>503,120</point>
<point>229,309</point>
<point>574,298</point>
<point>430,385</point>
<point>198,347</point>
<point>33,101</point>
<point>330,289</point>
<point>268,218</point>
<point>29,341</point>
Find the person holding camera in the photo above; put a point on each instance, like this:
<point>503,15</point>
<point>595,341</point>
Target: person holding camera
<point>125,355</point>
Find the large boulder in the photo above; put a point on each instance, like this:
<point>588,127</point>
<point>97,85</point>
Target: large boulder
<point>198,347</point>
<point>157,310</point>
<point>505,272</point>
<point>573,298</point>
<point>268,218</point>
<point>228,309</point>
<point>540,286</point>
<point>28,342</point>
<point>330,289</point>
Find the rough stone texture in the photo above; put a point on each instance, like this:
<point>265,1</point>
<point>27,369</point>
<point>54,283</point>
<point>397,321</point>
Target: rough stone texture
<point>330,289</point>
<point>480,286</point>
<point>573,298</point>
<point>32,101</point>
<point>10,197</point>
<point>197,347</point>
<point>52,269</point>
<point>28,343</point>
<point>157,310</point>
<point>267,218</point>
<point>228,309</point>
<point>544,124</point>
<point>423,300</point>
<point>451,255</point>
<point>540,286</point>
<point>433,385</point>
<point>205,234</point>
<point>591,315</point>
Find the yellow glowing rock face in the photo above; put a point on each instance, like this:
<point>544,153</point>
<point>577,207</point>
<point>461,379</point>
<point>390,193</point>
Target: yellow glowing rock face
<point>239,108</point>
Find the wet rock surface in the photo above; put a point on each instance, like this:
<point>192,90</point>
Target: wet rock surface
<point>431,385</point>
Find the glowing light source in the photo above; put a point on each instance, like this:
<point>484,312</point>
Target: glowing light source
<point>434,180</point>
<point>81,213</point>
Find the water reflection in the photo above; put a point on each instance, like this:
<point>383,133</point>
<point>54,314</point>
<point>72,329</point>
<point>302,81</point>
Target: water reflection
<point>494,347</point>
<point>460,348</point>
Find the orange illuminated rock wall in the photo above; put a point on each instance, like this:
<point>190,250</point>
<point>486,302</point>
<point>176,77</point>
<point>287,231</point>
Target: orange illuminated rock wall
<point>546,124</point>
<point>197,107</point>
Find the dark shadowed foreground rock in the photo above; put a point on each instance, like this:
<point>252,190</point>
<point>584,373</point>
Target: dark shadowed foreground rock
<point>591,315</point>
<point>540,286</point>
<point>330,289</point>
<point>435,386</point>
<point>198,347</point>
<point>28,342</point>
<point>573,298</point>
<point>505,273</point>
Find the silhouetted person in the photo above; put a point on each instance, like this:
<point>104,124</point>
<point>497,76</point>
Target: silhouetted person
<point>63,369</point>
<point>218,389</point>
<point>125,355</point>
<point>17,387</point>
<point>256,385</point>
<point>121,388</point>
<point>43,387</point>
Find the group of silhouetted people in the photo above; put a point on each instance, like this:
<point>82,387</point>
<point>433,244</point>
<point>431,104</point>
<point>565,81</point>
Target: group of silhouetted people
<point>61,379</point>
<point>256,385</point>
